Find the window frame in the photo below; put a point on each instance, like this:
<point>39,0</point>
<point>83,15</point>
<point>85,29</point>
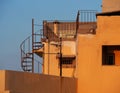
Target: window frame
<point>68,62</point>
<point>109,55</point>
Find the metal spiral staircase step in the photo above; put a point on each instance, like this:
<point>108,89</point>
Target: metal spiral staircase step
<point>29,53</point>
<point>37,45</point>
<point>26,62</point>
<point>36,42</point>
<point>27,70</point>
<point>26,58</point>
<point>27,66</point>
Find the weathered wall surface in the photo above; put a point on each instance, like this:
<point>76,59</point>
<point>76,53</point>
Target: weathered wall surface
<point>89,66</point>
<point>51,61</point>
<point>110,5</point>
<point>6,91</point>
<point>22,82</point>
<point>68,48</point>
<point>93,77</point>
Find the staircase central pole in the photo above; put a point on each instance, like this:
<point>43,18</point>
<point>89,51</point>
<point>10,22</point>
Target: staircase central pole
<point>61,56</point>
<point>32,45</point>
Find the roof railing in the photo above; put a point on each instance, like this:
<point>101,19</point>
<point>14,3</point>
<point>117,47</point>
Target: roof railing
<point>87,15</point>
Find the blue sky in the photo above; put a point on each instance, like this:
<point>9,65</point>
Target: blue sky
<point>15,22</point>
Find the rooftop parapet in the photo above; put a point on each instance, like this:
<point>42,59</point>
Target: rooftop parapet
<point>85,21</point>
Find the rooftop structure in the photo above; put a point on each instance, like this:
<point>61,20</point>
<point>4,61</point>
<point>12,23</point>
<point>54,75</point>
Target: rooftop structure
<point>56,42</point>
<point>110,5</point>
<point>81,56</point>
<point>87,49</point>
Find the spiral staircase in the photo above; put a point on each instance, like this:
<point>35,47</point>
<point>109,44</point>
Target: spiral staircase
<point>28,46</point>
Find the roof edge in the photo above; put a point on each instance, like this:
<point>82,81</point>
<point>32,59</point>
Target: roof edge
<point>109,13</point>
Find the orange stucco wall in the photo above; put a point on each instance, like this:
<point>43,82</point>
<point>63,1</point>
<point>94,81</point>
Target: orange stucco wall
<point>93,77</point>
<point>22,82</point>
<point>2,79</point>
<point>110,5</point>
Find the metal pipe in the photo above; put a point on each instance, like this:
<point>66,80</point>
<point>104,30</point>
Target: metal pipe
<point>32,45</point>
<point>60,56</point>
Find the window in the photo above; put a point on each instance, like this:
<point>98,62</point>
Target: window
<point>111,55</point>
<point>110,59</point>
<point>68,62</point>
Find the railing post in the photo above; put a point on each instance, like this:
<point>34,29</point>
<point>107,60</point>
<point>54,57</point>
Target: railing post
<point>77,23</point>
<point>32,45</point>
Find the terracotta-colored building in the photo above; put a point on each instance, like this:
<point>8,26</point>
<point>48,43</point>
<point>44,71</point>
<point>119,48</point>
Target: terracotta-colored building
<point>82,56</point>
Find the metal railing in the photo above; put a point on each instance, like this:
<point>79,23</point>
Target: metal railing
<point>87,15</point>
<point>63,29</point>
<point>68,29</point>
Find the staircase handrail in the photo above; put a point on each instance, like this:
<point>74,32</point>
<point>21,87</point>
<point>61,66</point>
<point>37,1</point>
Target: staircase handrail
<point>26,49</point>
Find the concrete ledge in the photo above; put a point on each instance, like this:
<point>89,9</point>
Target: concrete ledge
<point>24,82</point>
